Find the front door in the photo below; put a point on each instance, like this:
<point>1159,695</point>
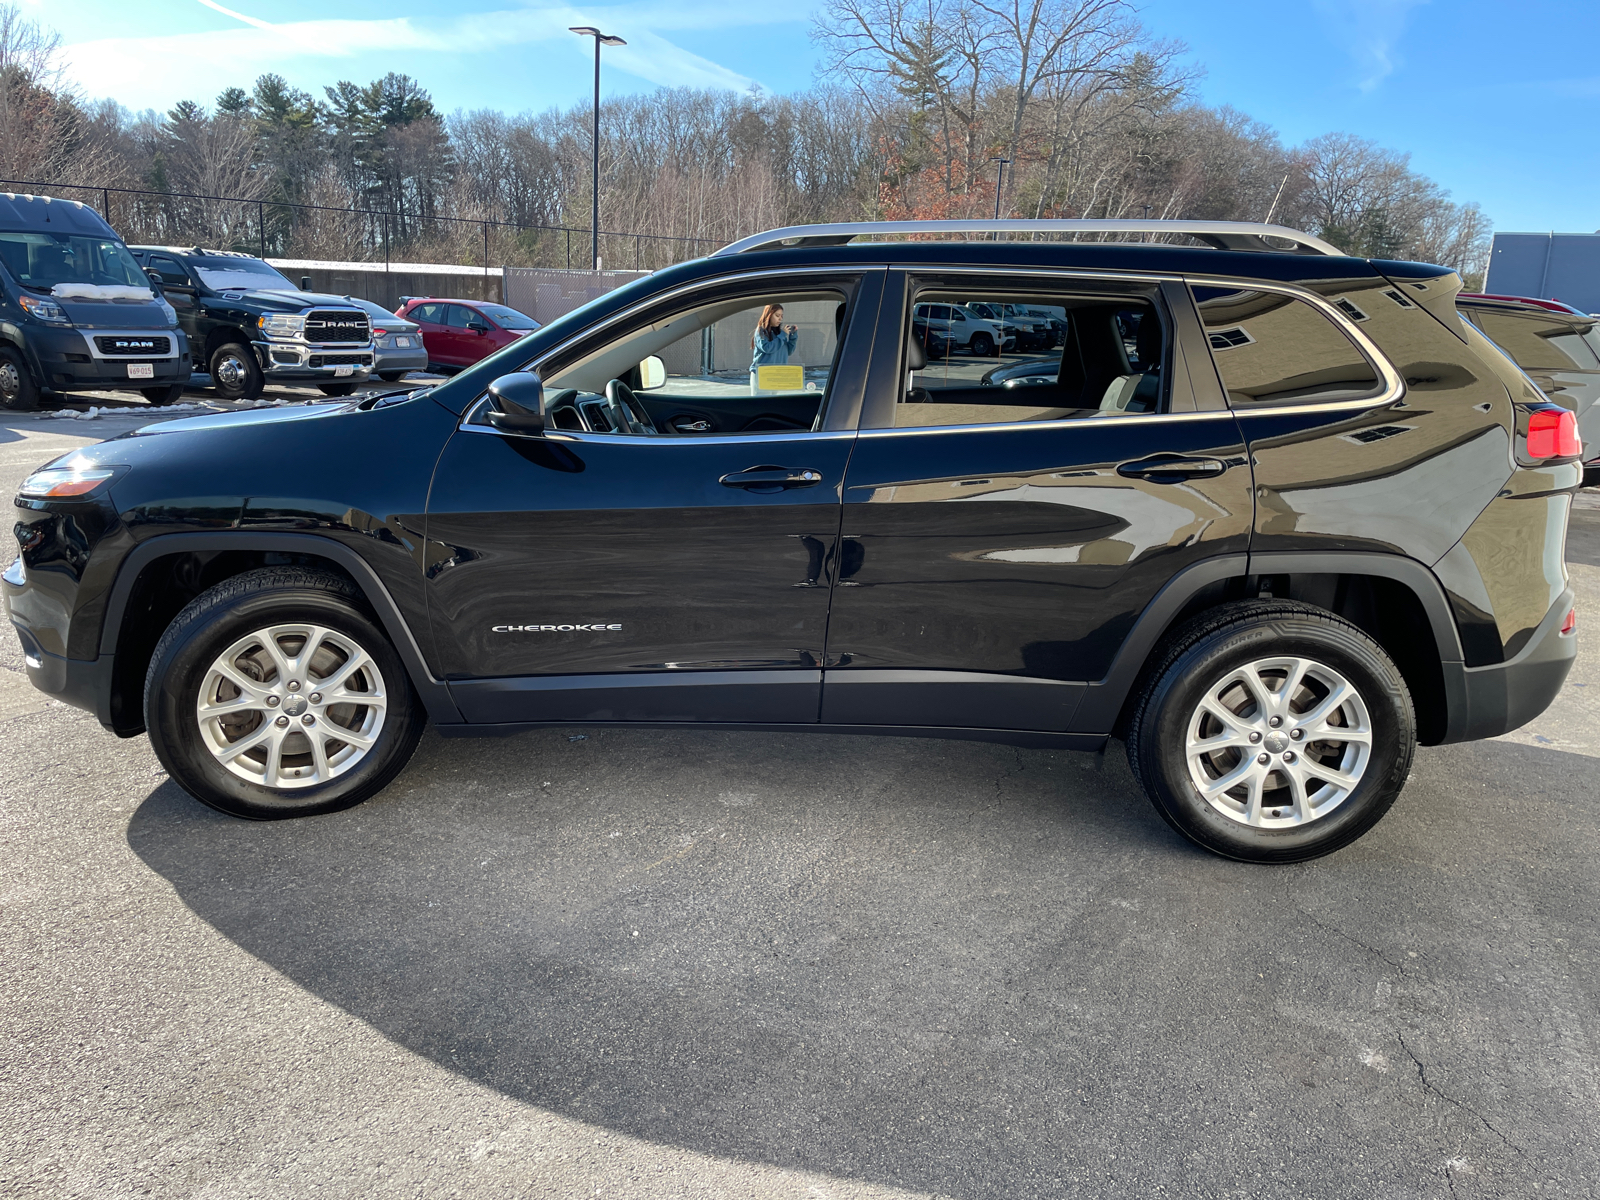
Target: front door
<point>663,553</point>
<point>179,291</point>
<point>1006,524</point>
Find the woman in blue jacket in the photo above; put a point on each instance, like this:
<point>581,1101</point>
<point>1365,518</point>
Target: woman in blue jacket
<point>771,343</point>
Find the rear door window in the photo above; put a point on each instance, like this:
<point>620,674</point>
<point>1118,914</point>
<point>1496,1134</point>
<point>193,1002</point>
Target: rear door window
<point>1107,359</point>
<point>1271,348</point>
<point>429,314</point>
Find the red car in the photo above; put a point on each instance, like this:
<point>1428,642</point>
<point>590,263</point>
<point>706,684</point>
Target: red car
<point>457,333</point>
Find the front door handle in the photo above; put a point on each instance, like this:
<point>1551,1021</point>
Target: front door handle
<point>772,479</point>
<point>1172,468</point>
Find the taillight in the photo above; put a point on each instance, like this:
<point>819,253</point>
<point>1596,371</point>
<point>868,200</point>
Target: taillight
<point>1571,622</point>
<point>1553,433</point>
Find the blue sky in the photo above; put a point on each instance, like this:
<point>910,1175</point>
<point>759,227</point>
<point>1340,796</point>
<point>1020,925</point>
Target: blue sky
<point>1493,100</point>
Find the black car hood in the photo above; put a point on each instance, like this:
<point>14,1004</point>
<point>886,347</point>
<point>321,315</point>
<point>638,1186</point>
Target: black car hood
<point>290,302</point>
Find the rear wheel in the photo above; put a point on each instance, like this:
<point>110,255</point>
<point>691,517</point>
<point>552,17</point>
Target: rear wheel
<point>1272,732</point>
<point>18,392</point>
<point>161,396</point>
<point>336,389</point>
<point>392,376</point>
<point>275,694</point>
<point>235,374</point>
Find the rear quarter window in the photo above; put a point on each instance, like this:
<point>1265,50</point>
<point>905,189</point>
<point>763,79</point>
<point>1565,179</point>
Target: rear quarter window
<point>1270,348</point>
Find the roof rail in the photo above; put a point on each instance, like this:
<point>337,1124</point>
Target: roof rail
<point>1222,235</point>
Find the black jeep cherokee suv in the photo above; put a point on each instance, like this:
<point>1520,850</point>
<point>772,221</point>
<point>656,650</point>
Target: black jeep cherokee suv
<point>1276,517</point>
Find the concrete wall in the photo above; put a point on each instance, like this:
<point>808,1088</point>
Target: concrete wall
<point>370,281</point>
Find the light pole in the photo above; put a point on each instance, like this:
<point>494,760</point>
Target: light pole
<point>600,39</point>
<point>999,182</point>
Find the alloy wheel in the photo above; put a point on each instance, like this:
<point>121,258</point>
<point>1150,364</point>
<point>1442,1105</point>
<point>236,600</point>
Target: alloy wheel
<point>1278,742</point>
<point>291,706</point>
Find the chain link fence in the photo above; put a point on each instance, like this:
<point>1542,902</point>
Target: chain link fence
<point>274,229</point>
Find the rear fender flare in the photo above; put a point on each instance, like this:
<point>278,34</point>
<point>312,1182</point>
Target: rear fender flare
<point>1104,699</point>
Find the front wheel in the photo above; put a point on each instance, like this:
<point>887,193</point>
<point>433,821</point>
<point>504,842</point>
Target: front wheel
<point>982,345</point>
<point>18,392</point>
<point>235,374</point>
<point>162,396</point>
<point>1272,732</point>
<point>275,694</point>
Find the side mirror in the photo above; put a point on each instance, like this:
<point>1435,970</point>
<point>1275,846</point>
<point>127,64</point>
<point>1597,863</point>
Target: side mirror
<point>478,327</point>
<point>652,373</point>
<point>155,275</point>
<point>517,404</point>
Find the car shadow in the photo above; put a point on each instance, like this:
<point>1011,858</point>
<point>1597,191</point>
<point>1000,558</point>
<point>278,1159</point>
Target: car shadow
<point>962,968</point>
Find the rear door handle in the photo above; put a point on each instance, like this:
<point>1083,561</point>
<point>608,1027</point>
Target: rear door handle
<point>1172,468</point>
<point>773,479</point>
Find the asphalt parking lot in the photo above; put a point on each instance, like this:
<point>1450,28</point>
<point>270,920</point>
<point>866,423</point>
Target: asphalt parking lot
<point>660,964</point>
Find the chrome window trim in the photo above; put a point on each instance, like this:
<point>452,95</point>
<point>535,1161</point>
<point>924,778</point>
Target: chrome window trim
<point>1142,418</point>
<point>1394,387</point>
<point>633,439</point>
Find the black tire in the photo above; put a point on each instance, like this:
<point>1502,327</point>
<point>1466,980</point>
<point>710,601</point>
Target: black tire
<point>235,373</point>
<point>392,376</point>
<point>18,391</point>
<point>164,395</point>
<point>981,346</point>
<point>1197,659</point>
<point>239,610</point>
<point>336,389</point>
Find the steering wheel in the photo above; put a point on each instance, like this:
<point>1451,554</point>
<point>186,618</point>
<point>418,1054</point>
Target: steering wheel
<point>625,411</point>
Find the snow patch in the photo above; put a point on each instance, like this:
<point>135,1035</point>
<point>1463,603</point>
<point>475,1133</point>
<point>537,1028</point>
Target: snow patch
<point>96,291</point>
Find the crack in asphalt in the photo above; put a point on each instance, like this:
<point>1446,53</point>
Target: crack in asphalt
<point>1399,966</point>
<point>1432,1089</point>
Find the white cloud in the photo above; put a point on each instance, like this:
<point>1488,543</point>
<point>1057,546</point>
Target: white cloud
<point>1370,31</point>
<point>216,58</point>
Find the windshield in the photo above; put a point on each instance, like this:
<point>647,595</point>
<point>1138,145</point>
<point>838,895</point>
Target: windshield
<point>240,275</point>
<point>508,318</point>
<point>43,260</point>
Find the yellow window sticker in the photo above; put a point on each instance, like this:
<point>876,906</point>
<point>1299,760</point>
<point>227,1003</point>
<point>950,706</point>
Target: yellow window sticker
<point>788,378</point>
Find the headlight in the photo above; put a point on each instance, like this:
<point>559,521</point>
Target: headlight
<point>167,309</point>
<point>60,483</point>
<point>282,325</point>
<point>44,309</point>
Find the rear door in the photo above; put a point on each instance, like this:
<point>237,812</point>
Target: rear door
<point>433,331</point>
<point>998,543</point>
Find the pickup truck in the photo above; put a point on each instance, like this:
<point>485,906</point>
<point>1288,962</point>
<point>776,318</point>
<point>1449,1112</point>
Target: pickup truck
<point>248,325</point>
